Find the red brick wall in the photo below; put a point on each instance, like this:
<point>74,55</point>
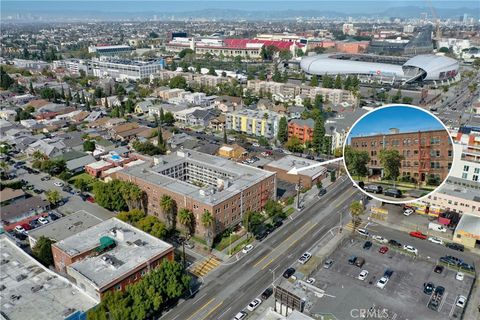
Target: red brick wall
<point>304,133</point>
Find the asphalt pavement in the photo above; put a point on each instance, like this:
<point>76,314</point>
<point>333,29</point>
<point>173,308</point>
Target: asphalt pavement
<point>252,273</point>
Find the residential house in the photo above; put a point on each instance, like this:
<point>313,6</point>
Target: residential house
<point>9,196</point>
<point>228,103</point>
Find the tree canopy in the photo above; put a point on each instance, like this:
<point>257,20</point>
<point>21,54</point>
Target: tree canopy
<point>391,161</point>
<point>356,161</point>
<point>42,251</point>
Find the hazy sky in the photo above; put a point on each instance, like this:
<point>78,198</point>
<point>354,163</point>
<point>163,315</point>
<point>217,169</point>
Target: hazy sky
<point>406,119</point>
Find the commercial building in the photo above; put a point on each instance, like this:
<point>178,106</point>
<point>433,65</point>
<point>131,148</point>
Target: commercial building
<point>467,156</point>
<point>109,256</point>
<point>199,182</point>
<point>301,129</point>
<point>426,154</point>
<point>31,291</point>
<point>73,66</point>
<point>106,50</point>
<point>467,231</point>
<point>307,178</point>
<point>257,123</point>
<point>421,68</point>
<point>421,43</point>
<point>233,151</point>
<point>193,79</point>
<point>122,70</point>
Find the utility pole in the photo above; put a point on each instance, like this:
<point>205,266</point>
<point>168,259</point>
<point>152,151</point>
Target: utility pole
<point>298,193</point>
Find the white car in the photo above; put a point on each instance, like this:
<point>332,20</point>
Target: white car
<point>42,220</point>
<point>410,249</point>
<point>363,275</point>
<point>382,282</point>
<point>58,184</point>
<point>363,232</point>
<point>435,240</point>
<point>305,257</point>
<point>408,211</point>
<point>380,239</point>
<point>19,229</point>
<point>256,145</point>
<point>241,315</point>
<point>311,280</point>
<point>459,276</point>
<point>461,300</point>
<point>247,248</point>
<point>254,304</point>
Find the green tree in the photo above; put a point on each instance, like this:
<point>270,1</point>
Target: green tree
<point>134,197</point>
<point>294,144</point>
<point>318,134</point>
<point>356,161</point>
<point>89,145</point>
<point>5,80</point>
<point>131,216</point>
<point>391,161</point>
<point>169,210</point>
<point>53,196</point>
<point>81,184</point>
<point>185,52</point>
<point>407,100</point>
<point>153,226</point>
<point>225,139</point>
<point>178,82</point>
<point>187,219</point>
<point>338,82</point>
<point>327,81</point>
<point>282,134</point>
<point>333,176</point>
<point>109,195</point>
<point>208,223</point>
<point>273,208</point>
<point>318,102</point>
<point>314,81</point>
<point>212,72</point>
<point>42,251</point>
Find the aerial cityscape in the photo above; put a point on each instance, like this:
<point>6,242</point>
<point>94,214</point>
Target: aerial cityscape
<point>273,160</point>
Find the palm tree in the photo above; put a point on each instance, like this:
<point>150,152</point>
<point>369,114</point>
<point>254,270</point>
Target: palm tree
<point>133,195</point>
<point>356,209</point>
<point>169,206</point>
<point>208,221</point>
<point>53,196</point>
<point>186,218</point>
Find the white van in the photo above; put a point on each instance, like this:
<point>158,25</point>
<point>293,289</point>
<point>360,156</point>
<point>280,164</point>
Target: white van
<point>436,227</point>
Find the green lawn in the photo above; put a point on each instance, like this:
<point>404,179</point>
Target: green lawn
<point>225,242</point>
<point>83,176</point>
<point>289,211</point>
<point>242,244</point>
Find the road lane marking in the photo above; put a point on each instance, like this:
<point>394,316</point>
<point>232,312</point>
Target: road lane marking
<point>203,307</point>
<point>220,316</point>
<point>199,298</point>
<point>268,263</point>
<point>211,311</point>
<point>260,261</point>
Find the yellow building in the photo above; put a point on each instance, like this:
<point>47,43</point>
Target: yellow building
<point>232,151</point>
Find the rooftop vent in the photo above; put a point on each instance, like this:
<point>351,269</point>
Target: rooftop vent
<point>394,130</point>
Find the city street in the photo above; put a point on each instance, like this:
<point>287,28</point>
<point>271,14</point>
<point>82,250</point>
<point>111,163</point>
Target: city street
<point>250,275</point>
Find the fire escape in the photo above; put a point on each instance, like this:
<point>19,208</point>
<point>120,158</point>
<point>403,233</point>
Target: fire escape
<point>423,157</point>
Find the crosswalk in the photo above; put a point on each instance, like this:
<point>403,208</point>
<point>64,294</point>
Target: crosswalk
<point>202,268</point>
<point>349,226</point>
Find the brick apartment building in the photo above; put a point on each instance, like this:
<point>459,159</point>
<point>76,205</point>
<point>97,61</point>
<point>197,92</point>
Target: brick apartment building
<point>425,153</point>
<point>99,259</point>
<point>200,182</point>
<point>302,129</point>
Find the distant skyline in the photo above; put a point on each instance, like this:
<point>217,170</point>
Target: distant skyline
<point>406,119</point>
<point>127,9</point>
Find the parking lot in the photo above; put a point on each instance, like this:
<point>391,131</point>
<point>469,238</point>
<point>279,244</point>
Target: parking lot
<point>402,297</point>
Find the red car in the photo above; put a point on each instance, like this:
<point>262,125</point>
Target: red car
<point>383,250</point>
<point>91,199</point>
<point>26,226</point>
<point>418,234</point>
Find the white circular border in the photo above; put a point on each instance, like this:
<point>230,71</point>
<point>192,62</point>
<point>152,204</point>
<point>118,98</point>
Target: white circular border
<point>389,106</point>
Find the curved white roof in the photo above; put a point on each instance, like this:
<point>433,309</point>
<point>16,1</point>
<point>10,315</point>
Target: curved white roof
<point>432,65</point>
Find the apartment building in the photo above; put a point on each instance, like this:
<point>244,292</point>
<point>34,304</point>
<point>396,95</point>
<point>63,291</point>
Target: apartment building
<point>115,50</point>
<point>199,182</point>
<point>73,66</point>
<point>121,69</point>
<point>99,259</point>
<point>302,129</point>
<point>467,156</point>
<point>425,153</point>
<point>291,91</point>
<point>193,79</point>
<point>254,122</point>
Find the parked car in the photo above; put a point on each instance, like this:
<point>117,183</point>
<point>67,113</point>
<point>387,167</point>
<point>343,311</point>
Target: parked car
<point>418,234</point>
<point>45,178</point>
<point>328,264</point>
<point>247,248</point>
<point>395,243</point>
<point>267,293</point>
<point>42,220</point>
<point>311,280</point>
<point>428,288</point>
<point>20,229</point>
<point>388,273</point>
<point>363,275</point>
<point>359,262</point>
<point>436,227</point>
<point>53,216</point>
<point>240,316</point>
<point>395,193</point>
<point>34,223</point>
<point>382,282</point>
<point>455,246</point>
<point>37,191</point>
<point>438,269</point>
<point>322,191</point>
<point>411,249</point>
<point>459,276</point>
<point>408,211</point>
<point>254,304</point>
<point>435,240</point>
<point>58,184</point>
<point>383,250</point>
<point>363,232</point>
<point>90,199</point>
<point>373,188</point>
<point>367,245</point>
<point>352,260</point>
<point>380,239</point>
<point>461,300</point>
<point>288,273</point>
<point>305,257</point>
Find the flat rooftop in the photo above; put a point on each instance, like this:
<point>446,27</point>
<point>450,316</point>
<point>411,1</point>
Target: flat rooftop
<point>66,226</point>
<point>56,298</point>
<point>133,248</point>
<point>236,176</point>
<point>469,224</point>
<point>390,134</point>
<point>288,162</point>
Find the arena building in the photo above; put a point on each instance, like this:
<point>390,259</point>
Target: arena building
<point>421,68</point>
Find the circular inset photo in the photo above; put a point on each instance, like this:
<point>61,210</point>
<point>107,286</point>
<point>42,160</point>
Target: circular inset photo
<point>398,153</point>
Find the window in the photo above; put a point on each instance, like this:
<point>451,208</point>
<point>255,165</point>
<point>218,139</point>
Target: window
<point>450,153</point>
<point>476,170</point>
<point>475,177</point>
<point>464,175</point>
<point>465,168</point>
